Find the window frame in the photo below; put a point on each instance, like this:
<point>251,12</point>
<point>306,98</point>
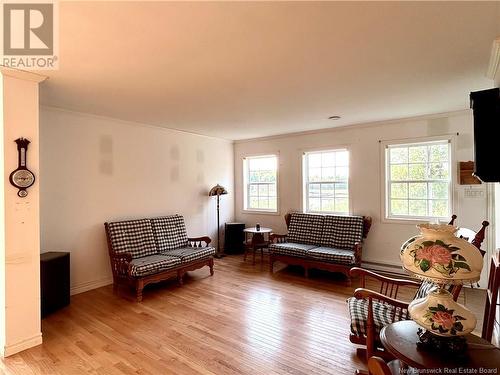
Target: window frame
<point>385,183</point>
<point>305,180</point>
<point>246,185</point>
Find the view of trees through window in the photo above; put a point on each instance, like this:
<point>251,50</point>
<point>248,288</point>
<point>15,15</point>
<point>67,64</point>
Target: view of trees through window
<point>261,183</point>
<point>419,180</point>
<point>326,176</point>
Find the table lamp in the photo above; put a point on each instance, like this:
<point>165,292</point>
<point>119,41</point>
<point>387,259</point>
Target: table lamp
<point>439,256</point>
<point>217,191</point>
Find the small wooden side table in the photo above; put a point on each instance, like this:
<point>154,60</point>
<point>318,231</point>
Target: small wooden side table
<point>401,338</point>
<point>259,240</point>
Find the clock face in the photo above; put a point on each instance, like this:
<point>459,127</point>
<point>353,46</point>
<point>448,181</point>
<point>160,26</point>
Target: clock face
<point>23,178</point>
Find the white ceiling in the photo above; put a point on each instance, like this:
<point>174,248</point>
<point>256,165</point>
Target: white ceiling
<point>243,70</point>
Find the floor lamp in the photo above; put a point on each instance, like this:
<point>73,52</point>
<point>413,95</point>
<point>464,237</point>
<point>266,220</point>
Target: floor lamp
<point>217,191</point>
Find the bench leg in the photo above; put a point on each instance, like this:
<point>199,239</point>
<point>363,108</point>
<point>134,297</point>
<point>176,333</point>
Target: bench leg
<point>211,265</point>
<point>180,277</point>
<point>138,290</point>
<point>271,263</point>
<point>306,272</point>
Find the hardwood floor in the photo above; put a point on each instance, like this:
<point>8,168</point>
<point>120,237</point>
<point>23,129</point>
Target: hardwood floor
<point>240,321</point>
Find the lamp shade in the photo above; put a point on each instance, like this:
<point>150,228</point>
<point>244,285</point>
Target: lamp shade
<point>440,256</point>
<point>217,190</point>
<point>441,315</point>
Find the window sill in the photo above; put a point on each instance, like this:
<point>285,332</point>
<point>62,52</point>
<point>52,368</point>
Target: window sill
<point>328,213</point>
<point>412,221</point>
<point>257,212</point>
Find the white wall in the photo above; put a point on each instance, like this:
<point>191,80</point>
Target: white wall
<point>20,233</point>
<point>96,169</point>
<point>384,239</point>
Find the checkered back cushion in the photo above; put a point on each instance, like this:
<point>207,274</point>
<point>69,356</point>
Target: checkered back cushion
<point>383,314</point>
<point>305,228</point>
<point>170,232</point>
<point>342,232</point>
<point>132,236</point>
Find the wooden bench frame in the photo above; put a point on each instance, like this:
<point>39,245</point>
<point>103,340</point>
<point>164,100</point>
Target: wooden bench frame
<point>309,263</point>
<point>121,264</point>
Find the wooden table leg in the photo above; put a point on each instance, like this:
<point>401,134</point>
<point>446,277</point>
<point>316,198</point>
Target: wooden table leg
<point>246,248</point>
<point>257,238</point>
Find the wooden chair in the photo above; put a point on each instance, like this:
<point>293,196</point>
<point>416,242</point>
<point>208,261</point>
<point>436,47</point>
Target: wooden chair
<point>377,366</point>
<point>370,310</point>
<point>492,302</point>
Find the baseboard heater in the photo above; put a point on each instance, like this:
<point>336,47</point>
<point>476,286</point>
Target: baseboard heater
<point>390,269</point>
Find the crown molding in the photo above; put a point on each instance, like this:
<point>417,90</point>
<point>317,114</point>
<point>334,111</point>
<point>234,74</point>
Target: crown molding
<point>130,123</point>
<point>493,71</point>
<point>22,74</point>
<point>460,112</point>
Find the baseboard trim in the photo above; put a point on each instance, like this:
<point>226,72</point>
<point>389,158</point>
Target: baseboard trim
<point>89,285</point>
<point>22,345</point>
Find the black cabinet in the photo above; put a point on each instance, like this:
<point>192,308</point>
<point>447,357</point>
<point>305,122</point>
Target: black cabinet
<point>234,237</point>
<point>54,281</point>
<point>486,105</point>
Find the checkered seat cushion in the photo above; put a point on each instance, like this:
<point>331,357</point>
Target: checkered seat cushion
<point>329,254</point>
<point>170,232</point>
<point>358,312</point>
<point>305,228</point>
<point>342,232</point>
<point>191,254</point>
<point>153,264</point>
<point>132,236</point>
<point>290,249</point>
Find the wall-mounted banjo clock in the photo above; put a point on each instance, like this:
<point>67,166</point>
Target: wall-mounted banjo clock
<point>22,178</point>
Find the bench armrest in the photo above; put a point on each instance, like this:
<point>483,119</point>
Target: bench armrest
<point>277,238</point>
<point>358,247</point>
<point>198,241</point>
<point>120,264</point>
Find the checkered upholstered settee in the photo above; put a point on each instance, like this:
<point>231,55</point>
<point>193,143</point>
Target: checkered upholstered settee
<point>326,242</point>
<point>151,250</point>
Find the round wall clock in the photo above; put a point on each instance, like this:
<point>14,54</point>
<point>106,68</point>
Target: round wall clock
<point>22,178</point>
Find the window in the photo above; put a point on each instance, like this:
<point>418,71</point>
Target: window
<point>326,181</point>
<point>261,183</point>
<point>418,180</point>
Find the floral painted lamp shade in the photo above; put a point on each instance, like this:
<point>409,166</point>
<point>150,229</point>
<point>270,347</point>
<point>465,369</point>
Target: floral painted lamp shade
<point>441,315</point>
<point>439,256</point>
<point>217,190</point>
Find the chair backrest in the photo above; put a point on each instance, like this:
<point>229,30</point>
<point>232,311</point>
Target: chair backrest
<point>305,228</point>
<point>475,238</point>
<point>377,366</point>
<point>367,222</point>
<point>132,236</point>
<point>170,232</point>
<point>342,232</point>
<point>492,296</point>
